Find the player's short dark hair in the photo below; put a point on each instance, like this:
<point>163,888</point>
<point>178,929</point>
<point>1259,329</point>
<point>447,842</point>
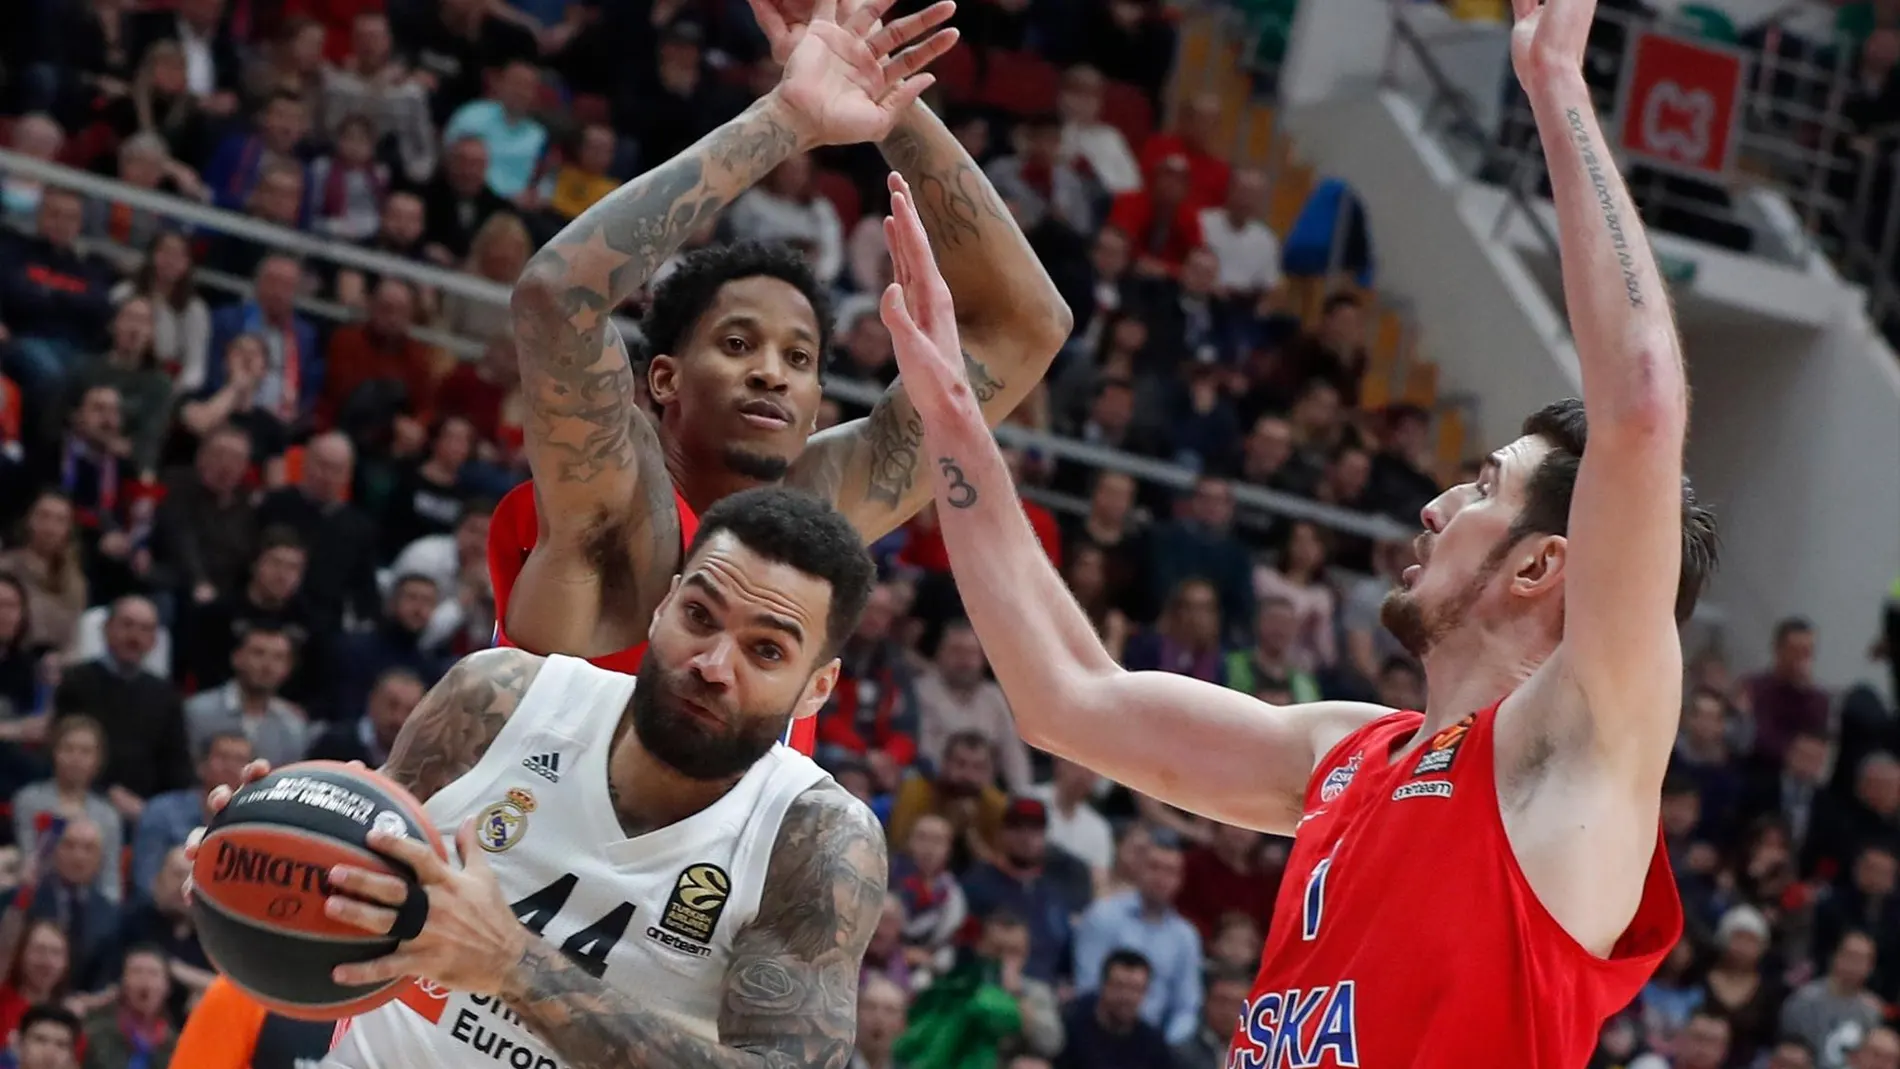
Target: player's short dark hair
<point>793,527</point>
<point>1127,959</point>
<point>51,1013</point>
<point>681,298</point>
<point>1547,498</point>
<point>1793,625</point>
<point>280,536</point>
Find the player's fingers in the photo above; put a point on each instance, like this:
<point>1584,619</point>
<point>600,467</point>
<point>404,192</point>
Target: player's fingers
<point>863,20</point>
<point>771,23</point>
<point>911,60</point>
<point>824,11</point>
<point>428,867</point>
<point>377,920</point>
<point>389,967</point>
<point>905,93</point>
<point>1523,8</point>
<point>910,27</point>
<point>379,887</point>
<point>916,241</point>
<point>256,770</point>
<point>900,271</point>
<point>897,320</point>
<point>470,847</point>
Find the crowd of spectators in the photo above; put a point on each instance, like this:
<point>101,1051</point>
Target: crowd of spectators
<point>237,528</point>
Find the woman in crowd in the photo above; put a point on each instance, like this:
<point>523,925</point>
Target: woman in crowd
<point>46,561</point>
<point>145,389</point>
<point>181,322</point>
<point>41,809</point>
<point>1300,576</point>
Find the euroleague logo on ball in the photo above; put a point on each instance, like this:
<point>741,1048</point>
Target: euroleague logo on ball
<point>390,823</point>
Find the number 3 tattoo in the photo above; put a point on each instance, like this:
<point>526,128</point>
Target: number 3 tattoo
<point>961,494</point>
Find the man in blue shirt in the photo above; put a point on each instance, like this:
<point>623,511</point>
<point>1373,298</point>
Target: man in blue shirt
<point>1043,886</point>
<point>169,818</point>
<point>1106,1029</point>
<point>1145,920</point>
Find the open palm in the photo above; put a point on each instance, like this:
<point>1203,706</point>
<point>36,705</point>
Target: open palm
<point>918,311</point>
<point>1548,37</point>
<point>851,79</point>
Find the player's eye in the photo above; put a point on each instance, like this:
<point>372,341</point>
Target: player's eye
<point>768,652</point>
<point>697,615</point>
<point>799,358</point>
<point>734,344</point>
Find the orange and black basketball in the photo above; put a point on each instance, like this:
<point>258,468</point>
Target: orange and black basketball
<point>262,875</point>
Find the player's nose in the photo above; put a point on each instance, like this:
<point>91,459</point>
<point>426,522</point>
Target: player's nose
<point>768,372</point>
<point>714,662</point>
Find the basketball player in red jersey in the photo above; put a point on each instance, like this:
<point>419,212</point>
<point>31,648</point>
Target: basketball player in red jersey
<point>737,338</point>
<point>1483,883</point>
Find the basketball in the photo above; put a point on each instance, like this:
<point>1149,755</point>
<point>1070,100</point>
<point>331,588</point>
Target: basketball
<point>262,874</point>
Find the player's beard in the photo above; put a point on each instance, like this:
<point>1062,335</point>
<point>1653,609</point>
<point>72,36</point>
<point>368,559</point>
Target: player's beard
<point>762,467</point>
<point>692,746</point>
<point>1417,627</point>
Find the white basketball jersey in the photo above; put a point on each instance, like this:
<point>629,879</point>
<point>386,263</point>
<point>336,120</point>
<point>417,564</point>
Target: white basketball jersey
<point>654,915</point>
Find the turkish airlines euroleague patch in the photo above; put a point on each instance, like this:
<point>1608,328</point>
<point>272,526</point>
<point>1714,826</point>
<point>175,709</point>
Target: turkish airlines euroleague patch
<point>699,896</point>
<point>1443,749</point>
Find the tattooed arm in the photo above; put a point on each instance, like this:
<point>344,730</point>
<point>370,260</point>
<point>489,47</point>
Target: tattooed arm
<point>1009,313</point>
<point>1615,678</point>
<point>791,991</point>
<point>456,722</point>
<point>586,437</point>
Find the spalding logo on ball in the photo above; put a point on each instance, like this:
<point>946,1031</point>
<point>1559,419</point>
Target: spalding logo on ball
<point>262,874</point>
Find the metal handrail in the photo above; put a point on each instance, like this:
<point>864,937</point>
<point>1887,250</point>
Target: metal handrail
<point>1174,476</point>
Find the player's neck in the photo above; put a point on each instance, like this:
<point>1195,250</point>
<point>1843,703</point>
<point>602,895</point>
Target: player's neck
<point>1474,667</point>
<point>649,794</point>
<point>702,481</point>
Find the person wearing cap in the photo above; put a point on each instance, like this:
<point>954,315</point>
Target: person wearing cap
<point>1031,880</point>
<point>1739,988</point>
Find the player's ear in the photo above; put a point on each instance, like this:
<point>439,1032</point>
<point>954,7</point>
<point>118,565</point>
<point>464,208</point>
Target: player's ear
<point>660,610</point>
<point>663,379</point>
<point>1540,564</point>
<point>817,690</point>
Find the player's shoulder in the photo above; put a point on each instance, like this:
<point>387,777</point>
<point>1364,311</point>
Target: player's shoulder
<point>825,813</point>
<point>1327,724</point>
<point>826,880</point>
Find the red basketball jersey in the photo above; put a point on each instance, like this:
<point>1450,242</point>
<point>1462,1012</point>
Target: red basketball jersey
<point>511,536</point>
<point>1406,937</point>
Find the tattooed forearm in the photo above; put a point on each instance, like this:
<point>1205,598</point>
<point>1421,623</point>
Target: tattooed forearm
<point>458,719</point>
<point>791,989</point>
<point>983,384</point>
<point>575,374</point>
<point>893,435</point>
<point>1606,201</point>
<point>957,490</point>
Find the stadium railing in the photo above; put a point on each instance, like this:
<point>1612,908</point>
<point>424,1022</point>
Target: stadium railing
<point>1256,506</point>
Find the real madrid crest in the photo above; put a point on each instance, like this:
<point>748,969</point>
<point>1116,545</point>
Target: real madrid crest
<point>504,823</point>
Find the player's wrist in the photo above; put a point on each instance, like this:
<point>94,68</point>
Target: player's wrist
<point>1552,92</point>
<point>774,108</point>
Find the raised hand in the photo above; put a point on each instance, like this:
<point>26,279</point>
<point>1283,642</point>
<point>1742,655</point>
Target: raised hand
<point>916,309</point>
<point>783,21</point>
<point>1548,38</point>
<point>849,81</point>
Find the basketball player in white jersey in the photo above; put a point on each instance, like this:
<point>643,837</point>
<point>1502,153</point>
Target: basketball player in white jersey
<point>647,877</point>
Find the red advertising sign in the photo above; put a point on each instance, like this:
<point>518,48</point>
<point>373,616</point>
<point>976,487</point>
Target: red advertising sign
<point>1680,104</point>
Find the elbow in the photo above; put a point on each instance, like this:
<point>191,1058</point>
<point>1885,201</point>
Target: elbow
<point>536,297</point>
<point>1052,715</point>
<point>1652,401</point>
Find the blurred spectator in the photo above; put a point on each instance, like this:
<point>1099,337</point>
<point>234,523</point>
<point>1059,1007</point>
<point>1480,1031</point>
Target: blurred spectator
<point>163,919</point>
<point>1085,570</point>
<point>934,906</point>
<point>1834,1012</point>
<point>486,393</point>
<point>373,83</point>
<point>1038,183</point>
<point>207,524</point>
<point>1299,577</point>
<point>963,792</point>
<point>1097,290</point>
<point>1864,899</point>
<point>1196,129</point>
<point>278,200</point>
<point>140,711</point>
<point>236,402</point>
<point>1226,993</point>
<point>181,322</point>
<point>1129,40</point>
<point>291,63</point>
<point>1189,321</point>
<point>1672,995</point>
<point>1041,886</point>
<point>882,1018</point>
<point>788,207</point>
<point>1740,990</point>
<point>41,810</point>
<point>370,737</point>
<point>1784,699</point>
<point>24,668</point>
<point>497,252</point>
<point>362,658</point>
<point>458,201</point>
<point>79,55</point>
<point>1075,827</point>
<point>271,599</point>
<point>36,136</point>
<point>1097,148</point>
<point>1703,757</point>
<point>1106,1029</point>
<point>1111,526</point>
<point>581,179</point>
<point>1185,639</point>
<point>169,818</point>
<point>429,493</point>
<point>213,72</point>
<point>129,368</point>
<point>378,350</point>
<point>1880,1050</point>
<point>453,42</point>
<point>676,100</point>
<point>293,362</point>
<point>504,124</point>
<point>1145,920</point>
<point>161,103</point>
<point>40,974</point>
<point>1224,877</point>
<point>1870,815</point>
<point>872,712</point>
<point>347,187</point>
<point>1200,544</point>
<point>339,541</point>
<point>464,619</point>
<point>1792,790</point>
<point>47,1037</point>
<point>54,297</point>
<point>399,234</point>
<point>1005,945</point>
<point>1273,663</point>
<point>885,956</point>
<point>1163,220</point>
<point>1245,247</point>
<point>243,159</point>
<point>137,1028</point>
<point>67,893</point>
<point>955,696</point>
<point>46,563</point>
<point>1366,643</point>
<point>250,703</point>
<point>145,163</point>
<point>1402,483</point>
<point>1704,1043</point>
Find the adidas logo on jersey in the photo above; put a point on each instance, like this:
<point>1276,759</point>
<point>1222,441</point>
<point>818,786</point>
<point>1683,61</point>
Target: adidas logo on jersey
<point>545,765</point>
